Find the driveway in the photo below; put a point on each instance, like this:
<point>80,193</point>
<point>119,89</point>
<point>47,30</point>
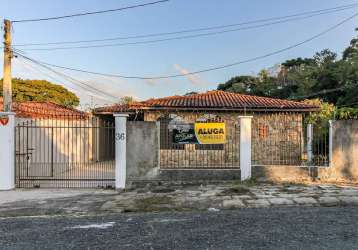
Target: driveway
<point>249,228</point>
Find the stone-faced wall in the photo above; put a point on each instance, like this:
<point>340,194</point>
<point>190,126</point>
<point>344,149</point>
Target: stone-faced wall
<point>277,140</point>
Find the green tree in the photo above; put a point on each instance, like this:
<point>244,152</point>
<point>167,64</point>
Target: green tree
<point>41,90</point>
<point>324,76</point>
<point>239,84</point>
<point>125,100</point>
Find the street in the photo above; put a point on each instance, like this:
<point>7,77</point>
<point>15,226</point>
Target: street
<point>261,228</point>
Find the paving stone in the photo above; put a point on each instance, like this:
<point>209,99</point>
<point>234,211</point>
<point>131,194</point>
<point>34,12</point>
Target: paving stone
<point>108,205</point>
<point>305,201</point>
<point>258,203</point>
<point>349,192</point>
<point>328,201</point>
<point>209,193</point>
<point>242,197</point>
<point>192,193</point>
<point>281,201</point>
<point>349,200</point>
<point>333,194</point>
<point>234,203</point>
<point>289,196</point>
<point>264,196</point>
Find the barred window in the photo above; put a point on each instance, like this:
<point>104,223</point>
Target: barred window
<point>166,136</point>
<point>263,131</point>
<point>209,147</point>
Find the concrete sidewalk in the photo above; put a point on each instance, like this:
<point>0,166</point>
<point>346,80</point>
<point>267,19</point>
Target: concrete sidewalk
<point>184,197</point>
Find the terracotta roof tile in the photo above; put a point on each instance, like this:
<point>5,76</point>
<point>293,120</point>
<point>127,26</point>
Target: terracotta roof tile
<point>213,100</point>
<point>30,109</point>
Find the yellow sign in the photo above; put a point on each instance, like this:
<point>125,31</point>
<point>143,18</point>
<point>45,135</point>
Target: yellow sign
<point>210,133</point>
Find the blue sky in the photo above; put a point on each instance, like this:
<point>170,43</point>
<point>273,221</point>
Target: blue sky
<point>170,57</point>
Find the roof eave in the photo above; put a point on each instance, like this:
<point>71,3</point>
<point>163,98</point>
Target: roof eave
<point>225,109</point>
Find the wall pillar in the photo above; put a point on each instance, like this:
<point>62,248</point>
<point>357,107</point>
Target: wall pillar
<point>330,142</point>
<point>245,147</point>
<point>309,144</point>
<point>121,147</point>
<point>7,150</point>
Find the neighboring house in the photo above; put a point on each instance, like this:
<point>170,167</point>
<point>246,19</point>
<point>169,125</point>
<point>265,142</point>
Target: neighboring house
<point>50,137</point>
<point>277,127</point>
<point>35,109</point>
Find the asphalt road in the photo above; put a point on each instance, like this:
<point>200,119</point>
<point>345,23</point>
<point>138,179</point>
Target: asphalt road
<point>275,228</point>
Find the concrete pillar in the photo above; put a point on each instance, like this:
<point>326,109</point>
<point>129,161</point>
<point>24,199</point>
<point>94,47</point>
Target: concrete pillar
<point>309,144</point>
<point>330,142</point>
<point>245,147</point>
<point>7,150</point>
<point>121,146</point>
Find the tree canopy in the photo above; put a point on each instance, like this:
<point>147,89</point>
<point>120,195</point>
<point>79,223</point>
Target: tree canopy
<point>324,76</point>
<point>41,90</point>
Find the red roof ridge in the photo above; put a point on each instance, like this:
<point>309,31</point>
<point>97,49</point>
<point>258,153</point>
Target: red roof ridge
<point>215,99</point>
<point>42,109</point>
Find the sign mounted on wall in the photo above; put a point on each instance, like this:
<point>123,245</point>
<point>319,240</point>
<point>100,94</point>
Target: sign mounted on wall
<point>184,134</point>
<point>4,120</point>
<point>199,133</point>
<point>210,133</point>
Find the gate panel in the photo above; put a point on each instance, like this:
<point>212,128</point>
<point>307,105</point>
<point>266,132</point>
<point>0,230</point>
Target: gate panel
<point>65,151</point>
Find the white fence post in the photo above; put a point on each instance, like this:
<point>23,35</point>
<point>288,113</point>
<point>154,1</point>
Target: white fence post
<point>245,147</point>
<point>309,143</point>
<point>330,143</point>
<point>121,150</point>
<point>7,150</point>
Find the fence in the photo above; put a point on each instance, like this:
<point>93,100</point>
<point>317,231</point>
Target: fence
<point>65,151</point>
<point>321,145</point>
<point>284,139</point>
<point>79,151</point>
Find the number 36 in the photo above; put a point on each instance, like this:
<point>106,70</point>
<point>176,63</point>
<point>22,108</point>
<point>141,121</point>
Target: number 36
<point>120,136</point>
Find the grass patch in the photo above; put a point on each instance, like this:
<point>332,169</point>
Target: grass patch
<point>236,190</point>
<point>248,183</point>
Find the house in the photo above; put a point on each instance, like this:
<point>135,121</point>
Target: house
<point>277,128</point>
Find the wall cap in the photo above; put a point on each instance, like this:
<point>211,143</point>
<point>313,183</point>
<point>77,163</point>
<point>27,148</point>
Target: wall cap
<point>245,116</point>
<point>7,113</point>
<point>120,115</point>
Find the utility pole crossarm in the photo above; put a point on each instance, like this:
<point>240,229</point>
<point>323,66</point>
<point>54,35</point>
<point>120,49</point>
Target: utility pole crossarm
<point>7,84</point>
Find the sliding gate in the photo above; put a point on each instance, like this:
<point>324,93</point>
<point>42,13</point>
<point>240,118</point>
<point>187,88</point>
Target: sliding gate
<point>65,151</point>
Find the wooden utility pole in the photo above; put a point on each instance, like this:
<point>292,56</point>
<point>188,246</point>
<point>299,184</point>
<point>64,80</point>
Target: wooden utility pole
<point>7,84</point>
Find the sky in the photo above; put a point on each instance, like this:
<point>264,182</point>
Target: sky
<point>170,57</point>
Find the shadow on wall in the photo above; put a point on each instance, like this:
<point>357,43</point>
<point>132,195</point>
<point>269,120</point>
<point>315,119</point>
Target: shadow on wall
<point>281,173</point>
<point>345,152</point>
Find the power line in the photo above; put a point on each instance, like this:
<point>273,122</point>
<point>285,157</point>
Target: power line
<point>347,105</point>
<point>281,19</point>
<point>76,82</point>
<point>172,38</point>
<point>57,80</point>
<point>325,91</point>
<point>203,70</point>
<point>89,13</point>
